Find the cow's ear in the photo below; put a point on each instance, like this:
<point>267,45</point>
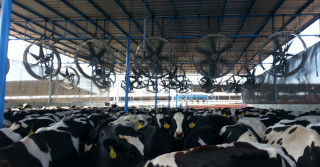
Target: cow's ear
<point>140,124</point>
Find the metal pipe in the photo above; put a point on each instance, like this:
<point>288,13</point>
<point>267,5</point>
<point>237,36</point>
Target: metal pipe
<point>169,98</point>
<point>156,95</point>
<point>127,76</point>
<point>4,36</point>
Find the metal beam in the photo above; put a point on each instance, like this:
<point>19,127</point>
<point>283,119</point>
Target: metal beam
<point>128,14</point>
<point>299,11</point>
<point>39,25</point>
<point>151,13</point>
<point>92,22</point>
<point>62,16</point>
<point>173,8</point>
<point>127,76</point>
<point>96,6</point>
<point>4,36</point>
<point>261,27</point>
<point>225,5</point>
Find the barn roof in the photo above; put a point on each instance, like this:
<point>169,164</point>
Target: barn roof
<point>68,23</point>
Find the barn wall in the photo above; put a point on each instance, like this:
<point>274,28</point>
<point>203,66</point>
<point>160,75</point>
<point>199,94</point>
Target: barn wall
<point>22,88</point>
<point>300,88</point>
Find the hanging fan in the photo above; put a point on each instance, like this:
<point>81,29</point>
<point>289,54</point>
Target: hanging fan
<point>42,60</point>
<point>123,86</point>
<point>137,80</point>
<point>94,59</point>
<point>214,56</point>
<point>208,85</point>
<point>151,86</point>
<point>8,66</point>
<point>232,85</point>
<point>185,85</point>
<point>155,57</point>
<point>251,80</point>
<point>68,78</point>
<point>104,80</point>
<point>279,50</point>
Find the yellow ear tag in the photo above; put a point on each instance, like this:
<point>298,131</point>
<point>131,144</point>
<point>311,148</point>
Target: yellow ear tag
<point>191,125</point>
<point>139,126</point>
<point>31,131</point>
<point>224,114</point>
<point>113,154</point>
<point>242,114</point>
<point>166,125</point>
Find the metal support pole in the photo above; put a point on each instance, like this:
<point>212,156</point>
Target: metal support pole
<point>207,100</point>
<point>176,99</point>
<point>127,76</point>
<point>156,95</point>
<point>275,93</point>
<point>4,36</point>
<point>50,81</point>
<point>242,106</point>
<point>169,98</point>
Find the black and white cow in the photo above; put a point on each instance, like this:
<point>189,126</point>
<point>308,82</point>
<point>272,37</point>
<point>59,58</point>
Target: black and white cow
<point>255,124</point>
<point>303,120</point>
<point>24,127</point>
<point>238,154</point>
<point>55,146</point>
<point>239,132</point>
<point>301,143</point>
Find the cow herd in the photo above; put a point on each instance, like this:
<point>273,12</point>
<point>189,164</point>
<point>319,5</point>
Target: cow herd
<point>110,137</point>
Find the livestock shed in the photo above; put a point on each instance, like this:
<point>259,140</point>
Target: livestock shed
<point>159,83</point>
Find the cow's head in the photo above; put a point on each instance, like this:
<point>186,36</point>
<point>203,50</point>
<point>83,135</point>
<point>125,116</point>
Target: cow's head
<point>134,121</point>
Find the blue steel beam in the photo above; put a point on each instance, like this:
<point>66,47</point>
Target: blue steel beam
<point>96,6</point>
<point>299,11</point>
<point>151,13</point>
<point>92,22</point>
<point>127,76</point>
<point>37,24</point>
<point>261,27</point>
<point>62,16</point>
<point>66,19</point>
<point>174,8</point>
<point>225,5</point>
<point>87,18</point>
<point>123,8</point>
<point>4,36</point>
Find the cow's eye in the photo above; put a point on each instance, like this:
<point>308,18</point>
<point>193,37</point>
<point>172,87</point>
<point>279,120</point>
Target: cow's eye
<point>127,120</point>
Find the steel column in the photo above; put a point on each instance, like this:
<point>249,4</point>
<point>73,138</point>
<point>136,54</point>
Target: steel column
<point>127,76</point>
<point>4,36</point>
<point>156,95</point>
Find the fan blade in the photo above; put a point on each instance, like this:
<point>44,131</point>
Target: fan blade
<point>134,71</point>
<point>41,53</point>
<point>91,49</point>
<point>277,43</point>
<point>67,72</point>
<point>35,56</point>
<point>149,49</point>
<point>100,54</point>
<point>159,49</point>
<point>205,52</point>
<point>32,65</point>
<point>175,70</point>
<point>253,71</point>
<point>229,46</point>
<point>248,71</point>
<point>213,45</point>
<point>286,48</point>
<point>62,74</point>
